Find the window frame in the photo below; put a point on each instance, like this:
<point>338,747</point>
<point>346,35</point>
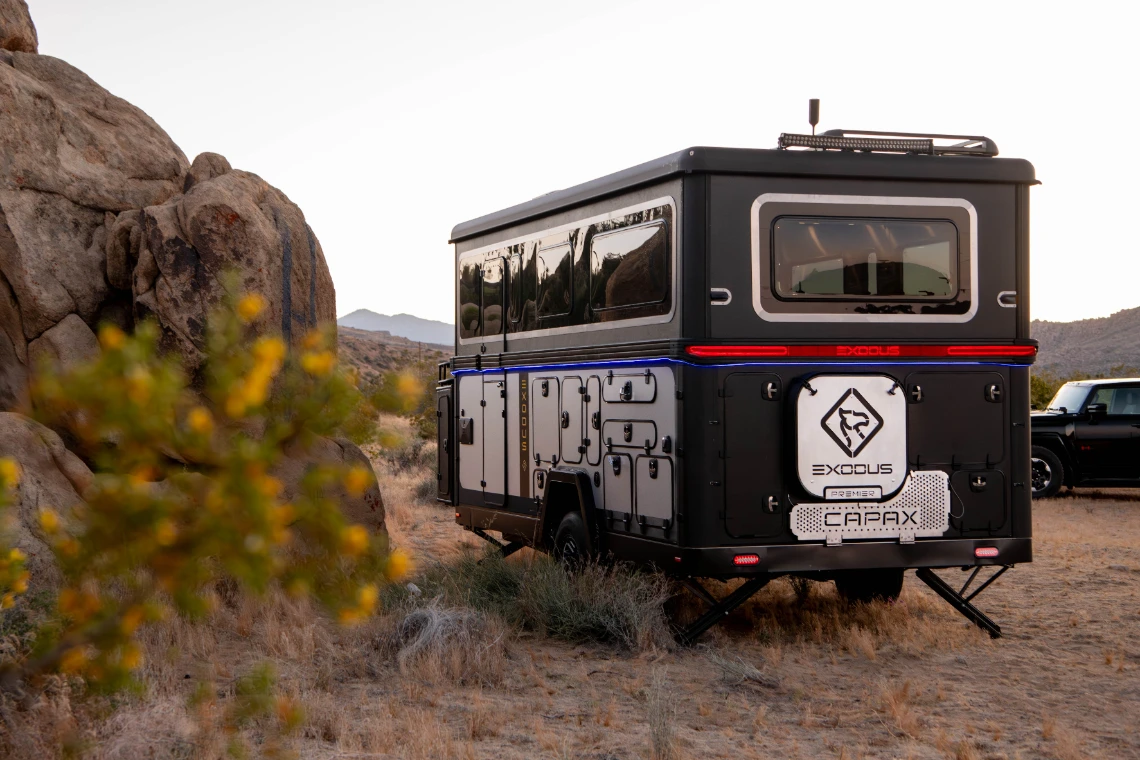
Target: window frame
<point>772,308</point>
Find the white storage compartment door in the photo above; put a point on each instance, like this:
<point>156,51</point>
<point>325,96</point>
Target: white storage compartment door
<point>545,423</point>
<point>617,484</point>
<point>469,432</point>
<point>593,420</point>
<point>570,421</point>
<point>654,490</point>
<point>494,439</point>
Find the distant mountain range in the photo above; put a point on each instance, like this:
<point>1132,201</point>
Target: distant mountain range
<point>402,325</point>
<point>1089,345</point>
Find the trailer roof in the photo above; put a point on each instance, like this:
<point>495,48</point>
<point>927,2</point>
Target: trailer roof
<point>788,163</point>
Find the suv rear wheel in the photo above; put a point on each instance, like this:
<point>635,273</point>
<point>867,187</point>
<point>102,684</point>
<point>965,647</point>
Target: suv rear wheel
<point>1046,472</point>
<point>867,585</point>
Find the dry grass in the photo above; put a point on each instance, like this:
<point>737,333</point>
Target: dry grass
<point>439,644</point>
<point>501,659</point>
<point>661,712</point>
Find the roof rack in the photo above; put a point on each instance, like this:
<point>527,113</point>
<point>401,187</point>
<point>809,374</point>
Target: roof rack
<point>891,142</point>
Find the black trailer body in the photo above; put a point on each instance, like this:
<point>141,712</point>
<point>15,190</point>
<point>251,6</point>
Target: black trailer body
<point>736,363</point>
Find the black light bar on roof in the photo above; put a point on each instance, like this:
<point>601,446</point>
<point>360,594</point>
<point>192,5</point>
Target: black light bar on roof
<point>876,144</point>
<point>893,142</point>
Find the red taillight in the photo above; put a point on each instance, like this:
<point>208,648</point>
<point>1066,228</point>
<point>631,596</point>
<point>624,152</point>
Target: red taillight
<point>869,351</point>
<point>986,551</point>
<point>746,559</point>
<point>456,515</point>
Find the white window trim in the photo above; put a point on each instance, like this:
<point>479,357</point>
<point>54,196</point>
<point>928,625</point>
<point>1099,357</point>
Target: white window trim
<point>862,200</point>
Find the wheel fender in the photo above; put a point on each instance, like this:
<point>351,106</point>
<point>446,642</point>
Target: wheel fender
<point>550,514</point>
<point>1057,445</point>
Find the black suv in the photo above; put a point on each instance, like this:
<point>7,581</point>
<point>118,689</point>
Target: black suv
<point>1089,435</point>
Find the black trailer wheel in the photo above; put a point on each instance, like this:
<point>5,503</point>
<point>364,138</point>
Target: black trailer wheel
<point>570,540</point>
<point>1046,471</point>
<point>867,585</point>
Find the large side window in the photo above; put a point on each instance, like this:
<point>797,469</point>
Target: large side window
<point>555,280</point>
<point>514,288</point>
<point>629,267</point>
<point>1119,400</point>
<point>864,259</point>
<point>494,292</point>
<point>469,298</point>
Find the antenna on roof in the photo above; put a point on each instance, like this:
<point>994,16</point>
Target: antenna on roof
<point>813,113</point>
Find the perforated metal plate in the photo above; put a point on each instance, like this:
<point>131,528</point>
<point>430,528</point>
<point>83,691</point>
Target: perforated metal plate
<point>920,510</point>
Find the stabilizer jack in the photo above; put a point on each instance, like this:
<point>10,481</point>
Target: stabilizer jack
<point>717,611</point>
<point>505,549</point>
<point>959,601</point>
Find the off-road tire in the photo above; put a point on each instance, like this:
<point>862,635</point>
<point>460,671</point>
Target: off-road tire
<point>1046,473</point>
<point>571,541</point>
<point>870,585</point>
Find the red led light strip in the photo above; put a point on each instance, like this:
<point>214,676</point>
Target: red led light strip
<point>850,351</point>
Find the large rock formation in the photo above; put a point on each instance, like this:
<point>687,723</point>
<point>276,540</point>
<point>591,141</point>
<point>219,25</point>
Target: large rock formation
<point>102,219</point>
<point>226,220</point>
<point>366,509</point>
<point>51,477</point>
<point>17,32</point>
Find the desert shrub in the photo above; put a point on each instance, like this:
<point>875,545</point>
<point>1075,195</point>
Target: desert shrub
<point>613,604</point>
<point>183,499</point>
<point>447,644</point>
<point>426,488</point>
<point>409,456</point>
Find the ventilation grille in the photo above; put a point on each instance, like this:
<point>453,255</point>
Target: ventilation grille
<point>921,509</point>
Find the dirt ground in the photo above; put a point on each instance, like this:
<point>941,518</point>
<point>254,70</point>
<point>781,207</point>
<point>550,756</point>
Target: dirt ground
<point>914,681</point>
<point>795,673</point>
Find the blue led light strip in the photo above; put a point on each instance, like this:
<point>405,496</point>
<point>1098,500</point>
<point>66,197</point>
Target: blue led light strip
<point>664,361</point>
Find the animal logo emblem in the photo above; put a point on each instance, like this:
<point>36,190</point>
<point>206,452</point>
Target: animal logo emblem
<point>852,422</point>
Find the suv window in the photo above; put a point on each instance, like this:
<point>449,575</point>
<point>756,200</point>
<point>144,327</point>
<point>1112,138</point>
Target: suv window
<point>834,257</point>
<point>1069,397</point>
<point>1118,399</point>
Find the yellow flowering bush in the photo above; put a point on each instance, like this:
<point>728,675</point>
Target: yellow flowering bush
<point>184,493</point>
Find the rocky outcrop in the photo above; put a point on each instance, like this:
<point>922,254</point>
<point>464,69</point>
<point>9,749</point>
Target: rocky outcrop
<point>227,221</point>
<point>17,32</point>
<point>51,477</point>
<point>72,157</point>
<point>102,219</point>
<point>366,509</point>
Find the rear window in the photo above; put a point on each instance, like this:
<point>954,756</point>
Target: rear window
<point>629,267</point>
<point>852,258</point>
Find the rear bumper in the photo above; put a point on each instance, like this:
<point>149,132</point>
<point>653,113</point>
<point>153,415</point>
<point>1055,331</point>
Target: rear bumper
<point>815,558</point>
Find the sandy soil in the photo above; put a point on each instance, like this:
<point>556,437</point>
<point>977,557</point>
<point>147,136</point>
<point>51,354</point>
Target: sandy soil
<point>913,681</point>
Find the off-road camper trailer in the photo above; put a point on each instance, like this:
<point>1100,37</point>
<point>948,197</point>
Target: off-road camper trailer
<point>750,363</point>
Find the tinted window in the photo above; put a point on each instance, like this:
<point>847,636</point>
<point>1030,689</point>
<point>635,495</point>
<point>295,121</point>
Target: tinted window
<point>514,288</point>
<point>469,297</point>
<point>555,283</point>
<point>817,257</point>
<point>629,267</point>
<point>1118,399</point>
<point>493,292</point>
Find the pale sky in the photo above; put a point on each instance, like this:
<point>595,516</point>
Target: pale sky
<point>390,122</point>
